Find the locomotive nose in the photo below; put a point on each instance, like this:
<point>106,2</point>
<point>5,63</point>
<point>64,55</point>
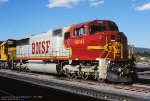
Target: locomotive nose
<point>116,36</point>
<point>113,44</point>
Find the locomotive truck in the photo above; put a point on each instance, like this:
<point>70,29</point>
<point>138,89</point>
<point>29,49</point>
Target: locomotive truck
<point>94,49</point>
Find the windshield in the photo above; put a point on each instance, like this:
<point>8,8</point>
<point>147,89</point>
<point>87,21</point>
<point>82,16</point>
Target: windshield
<point>111,26</point>
<point>97,28</point>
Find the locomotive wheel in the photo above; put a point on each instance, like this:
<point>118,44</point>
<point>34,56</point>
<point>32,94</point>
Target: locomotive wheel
<point>101,80</point>
<point>66,72</point>
<point>85,76</point>
<point>74,75</point>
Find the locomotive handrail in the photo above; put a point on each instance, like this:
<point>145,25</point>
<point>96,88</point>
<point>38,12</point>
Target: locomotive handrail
<point>53,52</point>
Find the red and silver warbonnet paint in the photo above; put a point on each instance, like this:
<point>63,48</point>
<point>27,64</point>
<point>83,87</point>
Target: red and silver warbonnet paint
<point>75,42</point>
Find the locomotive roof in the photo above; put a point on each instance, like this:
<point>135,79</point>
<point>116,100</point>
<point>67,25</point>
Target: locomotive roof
<point>89,22</point>
<point>3,42</point>
<point>7,40</point>
<point>73,25</point>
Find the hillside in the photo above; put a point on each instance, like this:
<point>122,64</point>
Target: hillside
<point>139,49</point>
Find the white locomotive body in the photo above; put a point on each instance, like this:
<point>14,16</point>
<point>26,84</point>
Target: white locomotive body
<point>35,49</point>
<point>45,45</point>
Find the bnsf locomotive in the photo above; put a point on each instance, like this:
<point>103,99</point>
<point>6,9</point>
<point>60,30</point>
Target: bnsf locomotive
<point>94,49</point>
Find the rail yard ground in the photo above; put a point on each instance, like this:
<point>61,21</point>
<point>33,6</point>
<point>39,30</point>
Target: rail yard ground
<point>14,90</point>
<point>40,88</point>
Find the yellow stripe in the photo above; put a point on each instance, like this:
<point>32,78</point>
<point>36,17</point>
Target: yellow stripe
<point>95,47</point>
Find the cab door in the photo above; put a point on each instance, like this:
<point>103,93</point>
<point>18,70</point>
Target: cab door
<point>78,42</point>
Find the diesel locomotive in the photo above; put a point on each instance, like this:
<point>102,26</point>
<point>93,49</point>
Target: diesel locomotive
<point>94,49</point>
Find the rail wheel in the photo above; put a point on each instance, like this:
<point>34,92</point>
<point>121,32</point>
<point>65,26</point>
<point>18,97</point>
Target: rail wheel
<point>74,75</point>
<point>67,73</point>
<point>85,76</point>
<point>101,80</point>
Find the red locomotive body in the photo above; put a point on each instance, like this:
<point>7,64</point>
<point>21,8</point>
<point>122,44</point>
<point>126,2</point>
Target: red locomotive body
<point>96,39</point>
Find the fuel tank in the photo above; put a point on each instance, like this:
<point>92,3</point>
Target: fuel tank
<point>39,66</point>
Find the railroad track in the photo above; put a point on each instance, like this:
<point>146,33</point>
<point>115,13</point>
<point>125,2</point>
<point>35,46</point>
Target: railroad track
<point>89,88</point>
<point>137,88</point>
<point>90,82</point>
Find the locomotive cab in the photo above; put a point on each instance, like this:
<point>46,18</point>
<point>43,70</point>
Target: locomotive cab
<point>96,39</point>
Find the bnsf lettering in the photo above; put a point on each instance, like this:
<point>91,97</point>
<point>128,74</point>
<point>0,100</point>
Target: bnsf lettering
<point>40,47</point>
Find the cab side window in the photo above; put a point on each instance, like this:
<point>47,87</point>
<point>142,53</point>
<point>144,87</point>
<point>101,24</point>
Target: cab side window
<point>80,31</point>
<point>67,35</point>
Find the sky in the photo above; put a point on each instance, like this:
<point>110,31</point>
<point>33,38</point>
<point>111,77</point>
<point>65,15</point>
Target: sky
<point>19,18</point>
